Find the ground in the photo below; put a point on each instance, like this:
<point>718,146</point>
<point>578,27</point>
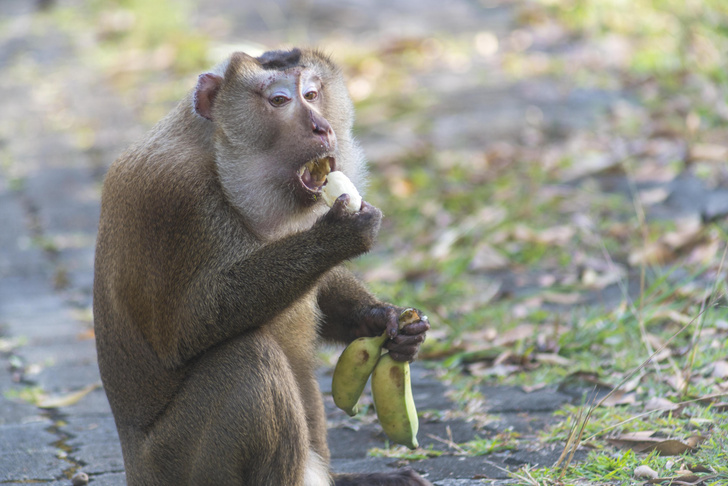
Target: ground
<point>555,189</point>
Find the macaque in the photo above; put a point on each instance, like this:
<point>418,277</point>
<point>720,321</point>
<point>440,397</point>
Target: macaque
<point>219,269</point>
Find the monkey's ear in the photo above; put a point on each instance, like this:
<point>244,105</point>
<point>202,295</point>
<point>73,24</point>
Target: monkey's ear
<point>208,85</point>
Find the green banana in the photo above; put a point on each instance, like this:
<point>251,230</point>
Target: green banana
<point>392,393</point>
<point>353,369</point>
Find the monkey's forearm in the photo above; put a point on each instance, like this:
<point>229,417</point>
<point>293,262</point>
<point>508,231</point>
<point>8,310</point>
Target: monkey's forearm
<point>251,291</point>
<point>344,301</point>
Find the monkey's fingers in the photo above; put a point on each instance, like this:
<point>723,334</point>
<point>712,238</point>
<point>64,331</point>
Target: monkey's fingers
<point>419,327</point>
<point>341,203</point>
<point>392,324</point>
<point>404,341</point>
<point>404,348</point>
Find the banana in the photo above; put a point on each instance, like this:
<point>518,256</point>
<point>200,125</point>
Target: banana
<point>337,184</point>
<point>353,369</point>
<point>392,392</point>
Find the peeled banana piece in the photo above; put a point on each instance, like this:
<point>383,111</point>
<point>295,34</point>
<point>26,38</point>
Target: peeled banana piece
<point>392,393</point>
<point>337,184</point>
<point>353,369</point>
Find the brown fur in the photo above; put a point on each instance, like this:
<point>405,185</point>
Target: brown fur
<point>214,278</point>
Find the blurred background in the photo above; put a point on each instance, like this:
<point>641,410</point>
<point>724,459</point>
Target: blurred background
<point>529,155</point>
<point>553,172</point>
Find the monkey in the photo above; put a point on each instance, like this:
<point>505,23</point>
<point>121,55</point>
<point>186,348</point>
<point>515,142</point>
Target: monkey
<point>218,270</point>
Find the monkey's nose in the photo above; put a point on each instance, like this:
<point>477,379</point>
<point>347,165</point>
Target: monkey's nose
<point>322,128</point>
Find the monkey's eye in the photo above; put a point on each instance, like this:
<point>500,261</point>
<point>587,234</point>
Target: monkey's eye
<point>311,95</point>
<point>278,100</point>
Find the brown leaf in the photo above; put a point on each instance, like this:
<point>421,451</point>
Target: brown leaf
<point>552,359</point>
<point>590,164</point>
<point>669,447</point>
<point>87,334</point>
<point>695,440</point>
<point>487,258</point>
<point>720,407</point>
<point>556,235</point>
<point>561,298</point>
<point>654,253</point>
<point>636,441</point>
<point>599,280</point>
<point>645,472</point>
<point>56,401</point>
<point>620,397</point>
<point>659,403</point>
<point>709,152</point>
<point>484,370</point>
<point>519,333</point>
<point>650,197</point>
<point>720,369</point>
<point>688,232</point>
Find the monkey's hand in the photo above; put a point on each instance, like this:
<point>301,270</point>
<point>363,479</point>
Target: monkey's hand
<point>357,231</point>
<point>403,344</point>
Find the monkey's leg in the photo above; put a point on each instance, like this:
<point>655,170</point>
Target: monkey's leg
<point>238,419</point>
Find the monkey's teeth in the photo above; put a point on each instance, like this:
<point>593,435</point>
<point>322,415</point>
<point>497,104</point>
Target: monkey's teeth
<point>313,173</point>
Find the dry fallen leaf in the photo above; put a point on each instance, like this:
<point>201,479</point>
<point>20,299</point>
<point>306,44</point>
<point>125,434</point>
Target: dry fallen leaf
<point>650,197</point>
<point>680,480</point>
<point>519,333</point>
<point>709,152</point>
<point>561,297</point>
<point>669,447</point>
<point>720,369</point>
<point>552,359</point>
<point>645,472</point>
<point>57,401</point>
<point>86,334</point>
<point>651,254</point>
<point>487,258</point>
<point>620,397</point>
<point>599,280</point>
<point>659,403</point>
<point>590,164</point>
<point>688,232</point>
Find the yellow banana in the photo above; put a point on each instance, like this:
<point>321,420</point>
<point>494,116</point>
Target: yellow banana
<point>392,392</point>
<point>353,369</point>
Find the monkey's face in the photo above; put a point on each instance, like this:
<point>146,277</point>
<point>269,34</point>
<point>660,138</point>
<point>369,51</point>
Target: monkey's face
<point>282,123</point>
<point>297,141</point>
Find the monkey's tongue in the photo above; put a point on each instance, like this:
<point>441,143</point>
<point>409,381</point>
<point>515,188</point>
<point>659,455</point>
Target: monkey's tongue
<point>309,181</point>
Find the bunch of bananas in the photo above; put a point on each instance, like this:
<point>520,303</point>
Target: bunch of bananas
<point>391,384</point>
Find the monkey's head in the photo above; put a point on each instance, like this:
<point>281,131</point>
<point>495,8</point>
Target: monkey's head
<point>282,121</point>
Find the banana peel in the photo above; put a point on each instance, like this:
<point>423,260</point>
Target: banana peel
<point>352,371</point>
<point>393,400</point>
<point>391,384</point>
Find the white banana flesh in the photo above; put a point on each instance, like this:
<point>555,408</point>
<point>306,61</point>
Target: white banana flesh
<point>338,184</point>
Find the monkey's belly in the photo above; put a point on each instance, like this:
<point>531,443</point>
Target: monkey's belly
<point>296,331</point>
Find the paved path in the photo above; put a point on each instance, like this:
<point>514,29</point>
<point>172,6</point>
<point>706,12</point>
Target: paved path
<point>49,194</point>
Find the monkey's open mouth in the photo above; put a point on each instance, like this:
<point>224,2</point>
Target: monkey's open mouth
<point>313,173</point>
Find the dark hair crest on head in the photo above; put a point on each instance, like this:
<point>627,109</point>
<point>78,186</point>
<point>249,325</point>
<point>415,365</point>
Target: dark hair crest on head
<point>280,59</point>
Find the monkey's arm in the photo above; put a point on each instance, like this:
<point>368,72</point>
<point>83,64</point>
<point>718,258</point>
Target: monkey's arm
<point>351,311</point>
<point>237,291</point>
